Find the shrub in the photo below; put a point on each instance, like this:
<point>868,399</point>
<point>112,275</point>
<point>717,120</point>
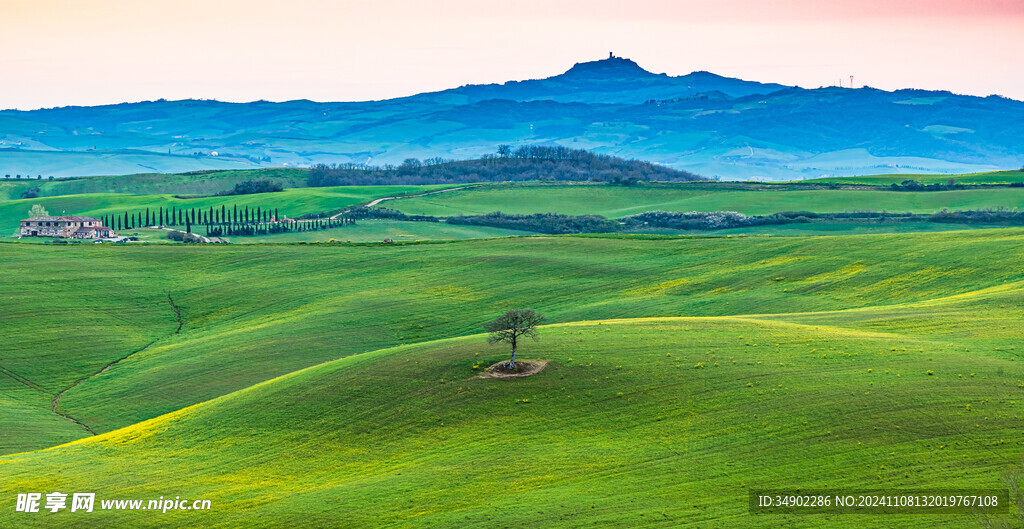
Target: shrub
<point>252,187</point>
<point>363,212</point>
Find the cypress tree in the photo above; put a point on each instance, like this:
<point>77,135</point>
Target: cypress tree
<point>147,218</point>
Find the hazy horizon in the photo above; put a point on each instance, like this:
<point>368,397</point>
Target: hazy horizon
<point>64,53</point>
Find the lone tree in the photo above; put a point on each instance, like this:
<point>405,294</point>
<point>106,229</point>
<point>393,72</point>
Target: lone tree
<point>511,326</point>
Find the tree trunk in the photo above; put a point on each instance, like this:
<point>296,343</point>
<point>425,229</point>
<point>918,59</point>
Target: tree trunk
<point>512,363</point>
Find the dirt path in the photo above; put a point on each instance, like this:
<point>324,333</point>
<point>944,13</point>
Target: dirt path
<point>56,398</point>
<point>177,312</point>
<point>396,197</point>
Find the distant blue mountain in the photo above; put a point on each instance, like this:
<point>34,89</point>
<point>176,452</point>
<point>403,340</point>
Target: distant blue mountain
<point>612,81</point>
<point>701,122</point>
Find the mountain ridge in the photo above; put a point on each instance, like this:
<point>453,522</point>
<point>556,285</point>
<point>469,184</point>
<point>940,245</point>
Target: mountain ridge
<point>700,122</point>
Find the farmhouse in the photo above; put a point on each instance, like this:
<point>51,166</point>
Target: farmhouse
<point>67,226</point>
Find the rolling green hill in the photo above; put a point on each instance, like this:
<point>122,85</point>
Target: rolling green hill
<point>373,230</point>
<point>254,312</point>
<point>572,199</point>
<point>195,183</point>
<point>615,202</point>
<point>683,371</point>
<point>994,177</point>
<point>319,385</point>
<point>290,202</point>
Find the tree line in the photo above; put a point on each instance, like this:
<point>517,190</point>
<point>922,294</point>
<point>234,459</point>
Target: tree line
<point>950,185</point>
<point>508,164</point>
<point>551,223</point>
<point>541,222</point>
<point>175,216</point>
<point>222,221</point>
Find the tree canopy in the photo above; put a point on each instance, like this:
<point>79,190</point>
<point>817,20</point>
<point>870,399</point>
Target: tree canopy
<point>513,325</point>
<point>37,210</point>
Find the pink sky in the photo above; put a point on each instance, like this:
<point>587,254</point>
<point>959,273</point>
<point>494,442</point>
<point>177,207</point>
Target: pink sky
<point>61,52</point>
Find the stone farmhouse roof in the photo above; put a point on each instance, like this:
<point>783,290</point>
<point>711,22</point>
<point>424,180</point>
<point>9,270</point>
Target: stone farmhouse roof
<point>65,218</point>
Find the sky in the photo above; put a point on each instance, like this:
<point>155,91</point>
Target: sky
<point>87,52</point>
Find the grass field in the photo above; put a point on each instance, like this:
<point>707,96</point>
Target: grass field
<point>684,370</point>
<point>370,230</point>
<point>290,202</point>
<point>839,228</point>
<point>327,385</point>
<point>995,177</point>
<point>615,202</point>
<point>260,311</point>
<point>378,230</point>
<point>197,183</point>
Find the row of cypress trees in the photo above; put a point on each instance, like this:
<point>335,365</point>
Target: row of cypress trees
<point>180,217</point>
<point>219,221</point>
<point>265,228</point>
